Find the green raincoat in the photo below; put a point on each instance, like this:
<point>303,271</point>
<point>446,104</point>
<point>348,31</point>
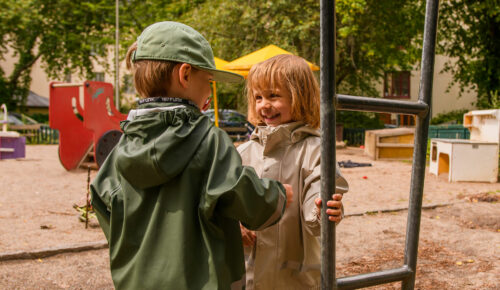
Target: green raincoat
<point>170,197</point>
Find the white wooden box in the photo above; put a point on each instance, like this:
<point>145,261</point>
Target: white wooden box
<point>484,125</point>
<point>464,160</point>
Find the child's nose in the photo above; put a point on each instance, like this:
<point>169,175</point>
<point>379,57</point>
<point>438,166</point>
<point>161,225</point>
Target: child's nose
<point>267,104</point>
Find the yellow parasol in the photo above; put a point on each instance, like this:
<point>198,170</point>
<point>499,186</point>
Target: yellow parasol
<point>243,64</point>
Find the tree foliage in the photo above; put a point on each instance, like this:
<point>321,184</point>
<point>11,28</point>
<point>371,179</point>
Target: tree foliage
<point>63,35</point>
<point>136,15</point>
<point>470,34</point>
<point>455,116</point>
<point>373,36</point>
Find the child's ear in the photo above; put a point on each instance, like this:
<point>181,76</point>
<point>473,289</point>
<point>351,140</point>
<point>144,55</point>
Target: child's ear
<point>184,74</point>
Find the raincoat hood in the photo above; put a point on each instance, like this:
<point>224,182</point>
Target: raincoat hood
<point>165,128</point>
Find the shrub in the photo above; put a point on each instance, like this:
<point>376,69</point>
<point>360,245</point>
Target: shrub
<point>40,118</point>
<point>354,119</point>
<point>452,117</point>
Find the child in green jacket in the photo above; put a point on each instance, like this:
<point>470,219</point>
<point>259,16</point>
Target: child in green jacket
<point>171,194</point>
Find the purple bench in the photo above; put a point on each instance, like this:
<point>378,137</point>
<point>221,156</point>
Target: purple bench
<point>12,145</point>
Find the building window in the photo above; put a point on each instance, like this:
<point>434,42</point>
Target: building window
<point>99,77</point>
<point>406,120</point>
<point>96,50</point>
<point>397,85</point>
<point>128,84</point>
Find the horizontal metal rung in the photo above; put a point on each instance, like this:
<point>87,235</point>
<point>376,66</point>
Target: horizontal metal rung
<point>375,278</point>
<point>353,103</point>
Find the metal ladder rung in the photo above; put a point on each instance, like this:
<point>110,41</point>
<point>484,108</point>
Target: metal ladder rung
<point>346,102</point>
<point>375,278</point>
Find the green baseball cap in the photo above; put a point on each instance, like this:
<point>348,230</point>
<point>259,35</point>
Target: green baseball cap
<point>174,41</point>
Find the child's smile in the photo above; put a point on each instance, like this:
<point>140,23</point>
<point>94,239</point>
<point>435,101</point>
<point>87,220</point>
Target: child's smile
<point>270,118</point>
<point>273,106</point>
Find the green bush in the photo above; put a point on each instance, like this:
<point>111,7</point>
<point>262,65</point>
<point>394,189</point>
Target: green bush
<point>452,117</point>
<point>40,118</point>
<point>354,119</point>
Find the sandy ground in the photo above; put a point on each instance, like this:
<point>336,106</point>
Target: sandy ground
<point>459,243</point>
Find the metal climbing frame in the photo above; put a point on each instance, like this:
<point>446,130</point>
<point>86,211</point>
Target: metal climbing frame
<point>331,102</point>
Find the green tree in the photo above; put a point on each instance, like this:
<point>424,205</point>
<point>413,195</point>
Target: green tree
<point>70,37</point>
<point>64,35</point>
<point>373,36</point>
<point>470,34</point>
<point>136,15</point>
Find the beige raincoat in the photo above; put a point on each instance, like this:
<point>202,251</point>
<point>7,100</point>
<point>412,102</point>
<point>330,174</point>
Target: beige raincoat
<point>287,255</point>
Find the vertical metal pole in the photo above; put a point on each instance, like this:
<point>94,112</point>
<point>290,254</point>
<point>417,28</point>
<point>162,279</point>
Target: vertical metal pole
<point>5,117</point>
<point>117,55</point>
<point>420,149</point>
<point>87,205</point>
<point>328,168</point>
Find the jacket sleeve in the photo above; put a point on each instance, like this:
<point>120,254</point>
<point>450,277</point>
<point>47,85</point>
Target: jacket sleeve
<point>101,211</point>
<point>235,191</point>
<point>311,191</point>
<point>102,189</point>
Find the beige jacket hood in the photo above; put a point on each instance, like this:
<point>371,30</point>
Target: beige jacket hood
<point>287,255</point>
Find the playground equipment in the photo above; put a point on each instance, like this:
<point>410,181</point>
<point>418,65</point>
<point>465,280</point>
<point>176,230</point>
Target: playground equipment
<point>86,133</point>
<point>12,144</point>
<point>484,125</point>
<point>470,160</point>
<point>389,144</point>
<point>464,160</point>
<point>329,103</point>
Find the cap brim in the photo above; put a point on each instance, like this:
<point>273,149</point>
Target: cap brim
<point>223,76</point>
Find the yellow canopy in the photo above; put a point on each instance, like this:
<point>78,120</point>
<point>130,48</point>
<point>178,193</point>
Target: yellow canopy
<point>219,63</point>
<point>243,64</point>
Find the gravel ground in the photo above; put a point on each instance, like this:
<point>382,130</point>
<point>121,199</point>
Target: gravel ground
<point>459,243</point>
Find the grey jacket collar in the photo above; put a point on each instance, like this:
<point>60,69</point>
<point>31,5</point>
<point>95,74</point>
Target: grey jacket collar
<point>139,112</point>
<point>282,135</point>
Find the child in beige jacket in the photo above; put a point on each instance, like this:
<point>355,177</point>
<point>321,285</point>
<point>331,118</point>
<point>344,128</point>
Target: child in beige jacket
<point>283,101</point>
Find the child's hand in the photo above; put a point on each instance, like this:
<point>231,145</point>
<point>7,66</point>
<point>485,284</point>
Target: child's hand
<point>247,236</point>
<point>289,194</point>
<point>334,211</point>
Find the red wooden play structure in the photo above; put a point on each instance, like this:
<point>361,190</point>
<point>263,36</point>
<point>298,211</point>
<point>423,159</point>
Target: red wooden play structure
<point>89,130</point>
